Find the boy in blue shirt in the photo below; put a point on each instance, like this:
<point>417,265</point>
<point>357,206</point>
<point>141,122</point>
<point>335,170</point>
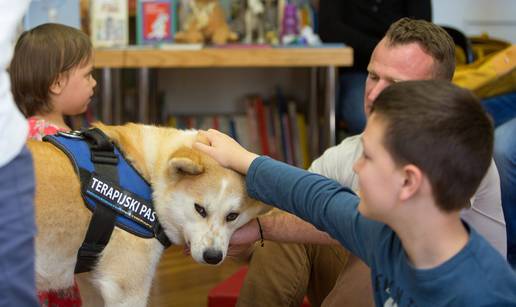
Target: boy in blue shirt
<point>420,138</point>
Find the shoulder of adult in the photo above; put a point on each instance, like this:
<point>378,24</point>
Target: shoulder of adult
<point>337,161</point>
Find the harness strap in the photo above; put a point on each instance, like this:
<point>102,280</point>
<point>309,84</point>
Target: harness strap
<point>161,236</point>
<point>102,222</point>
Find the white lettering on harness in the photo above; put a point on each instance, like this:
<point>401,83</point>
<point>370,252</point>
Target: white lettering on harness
<point>123,199</point>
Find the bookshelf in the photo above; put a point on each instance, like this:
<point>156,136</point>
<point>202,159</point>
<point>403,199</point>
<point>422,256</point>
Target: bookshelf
<point>322,62</point>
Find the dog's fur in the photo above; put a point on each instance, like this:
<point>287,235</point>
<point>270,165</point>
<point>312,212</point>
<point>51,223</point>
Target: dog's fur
<point>180,178</point>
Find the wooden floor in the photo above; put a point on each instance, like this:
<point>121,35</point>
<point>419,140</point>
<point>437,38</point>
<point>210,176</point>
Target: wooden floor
<point>181,282</point>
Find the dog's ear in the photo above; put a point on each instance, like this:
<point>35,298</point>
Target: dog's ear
<point>184,161</point>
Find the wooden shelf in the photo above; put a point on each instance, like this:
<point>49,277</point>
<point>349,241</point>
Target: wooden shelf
<point>326,58</point>
<point>221,57</point>
<point>109,58</point>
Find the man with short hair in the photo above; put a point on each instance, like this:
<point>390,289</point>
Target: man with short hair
<point>281,274</point>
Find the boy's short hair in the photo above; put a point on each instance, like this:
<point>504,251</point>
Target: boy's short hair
<point>40,56</point>
<point>432,38</point>
<point>443,130</point>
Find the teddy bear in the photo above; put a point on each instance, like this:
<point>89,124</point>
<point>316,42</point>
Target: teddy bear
<point>205,23</point>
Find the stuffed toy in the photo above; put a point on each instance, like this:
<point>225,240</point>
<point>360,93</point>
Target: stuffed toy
<point>205,23</point>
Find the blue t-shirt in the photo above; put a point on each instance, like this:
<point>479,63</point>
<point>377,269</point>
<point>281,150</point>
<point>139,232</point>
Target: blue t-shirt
<point>476,276</point>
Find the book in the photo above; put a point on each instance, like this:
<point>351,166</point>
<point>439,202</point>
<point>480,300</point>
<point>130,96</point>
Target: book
<point>155,21</point>
<point>261,125</point>
<point>276,124</point>
<point>294,134</point>
<point>109,23</point>
<point>303,141</point>
<point>252,126</point>
<point>242,133</point>
<point>65,12</point>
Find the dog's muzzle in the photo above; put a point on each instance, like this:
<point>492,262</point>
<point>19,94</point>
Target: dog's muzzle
<point>212,256</point>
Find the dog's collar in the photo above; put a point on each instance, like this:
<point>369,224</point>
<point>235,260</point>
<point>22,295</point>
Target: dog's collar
<point>110,181</point>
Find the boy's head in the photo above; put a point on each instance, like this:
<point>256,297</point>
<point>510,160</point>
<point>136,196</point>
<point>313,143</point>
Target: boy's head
<point>411,50</point>
<point>42,56</point>
<point>436,128</point>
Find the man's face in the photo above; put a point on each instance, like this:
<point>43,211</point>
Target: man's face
<point>391,64</point>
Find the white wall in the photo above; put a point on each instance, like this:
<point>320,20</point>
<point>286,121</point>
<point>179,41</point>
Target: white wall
<point>495,17</point>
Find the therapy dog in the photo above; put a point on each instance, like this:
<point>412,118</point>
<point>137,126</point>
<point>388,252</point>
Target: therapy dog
<point>196,201</point>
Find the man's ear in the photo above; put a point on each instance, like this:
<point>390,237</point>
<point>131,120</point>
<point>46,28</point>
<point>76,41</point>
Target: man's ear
<point>412,181</point>
<point>184,161</point>
<point>57,86</point>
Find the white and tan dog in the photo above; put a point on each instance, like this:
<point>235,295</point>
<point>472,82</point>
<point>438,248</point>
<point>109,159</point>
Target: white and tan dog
<point>197,201</point>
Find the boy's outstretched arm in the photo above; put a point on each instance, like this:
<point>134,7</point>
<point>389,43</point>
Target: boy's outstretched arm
<point>226,151</point>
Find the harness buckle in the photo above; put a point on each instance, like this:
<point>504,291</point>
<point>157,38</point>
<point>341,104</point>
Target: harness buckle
<point>104,157</point>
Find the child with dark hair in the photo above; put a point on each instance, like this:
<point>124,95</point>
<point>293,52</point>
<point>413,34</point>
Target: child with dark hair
<point>420,138</point>
<point>51,76</point>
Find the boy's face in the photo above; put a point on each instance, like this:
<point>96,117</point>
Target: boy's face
<point>380,179</point>
<point>76,90</point>
<point>390,64</point>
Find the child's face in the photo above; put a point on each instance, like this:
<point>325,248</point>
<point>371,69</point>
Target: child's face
<point>76,91</point>
<point>380,179</point>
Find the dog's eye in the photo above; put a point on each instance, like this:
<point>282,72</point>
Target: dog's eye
<point>231,217</point>
<point>200,210</point>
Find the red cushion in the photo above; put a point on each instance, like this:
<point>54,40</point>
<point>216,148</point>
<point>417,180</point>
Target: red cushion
<point>225,294</point>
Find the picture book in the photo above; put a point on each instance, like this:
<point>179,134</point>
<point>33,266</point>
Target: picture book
<point>109,23</point>
<point>155,21</point>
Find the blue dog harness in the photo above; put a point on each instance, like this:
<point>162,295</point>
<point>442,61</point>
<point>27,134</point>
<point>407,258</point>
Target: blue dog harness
<point>112,189</point>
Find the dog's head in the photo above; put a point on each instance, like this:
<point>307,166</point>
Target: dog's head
<point>200,203</point>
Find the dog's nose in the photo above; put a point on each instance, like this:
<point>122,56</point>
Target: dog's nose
<point>212,256</point>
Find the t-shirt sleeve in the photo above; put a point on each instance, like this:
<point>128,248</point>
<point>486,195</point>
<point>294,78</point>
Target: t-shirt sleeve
<point>318,200</point>
<point>337,162</point>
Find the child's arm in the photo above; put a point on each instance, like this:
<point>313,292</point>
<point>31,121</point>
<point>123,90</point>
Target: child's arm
<point>314,198</point>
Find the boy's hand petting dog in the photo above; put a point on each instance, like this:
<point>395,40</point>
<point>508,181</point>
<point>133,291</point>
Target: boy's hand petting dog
<point>226,151</point>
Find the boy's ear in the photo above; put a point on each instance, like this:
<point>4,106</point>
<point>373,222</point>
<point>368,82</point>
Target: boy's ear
<point>413,179</point>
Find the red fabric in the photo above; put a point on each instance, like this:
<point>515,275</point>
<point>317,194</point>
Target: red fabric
<point>225,294</point>
<point>70,297</point>
<point>63,298</point>
<point>39,127</point>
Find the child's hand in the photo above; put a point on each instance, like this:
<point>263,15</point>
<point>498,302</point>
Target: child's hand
<point>226,151</point>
